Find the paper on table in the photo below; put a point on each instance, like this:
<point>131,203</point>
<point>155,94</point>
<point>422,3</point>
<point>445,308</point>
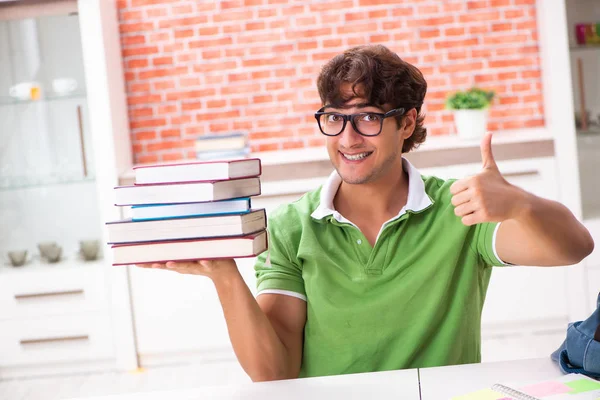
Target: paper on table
<point>485,394</point>
<point>543,389</point>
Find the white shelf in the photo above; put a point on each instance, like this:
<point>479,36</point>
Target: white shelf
<point>35,264</point>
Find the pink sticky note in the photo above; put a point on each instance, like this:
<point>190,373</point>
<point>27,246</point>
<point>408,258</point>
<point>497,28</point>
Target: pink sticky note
<point>543,389</point>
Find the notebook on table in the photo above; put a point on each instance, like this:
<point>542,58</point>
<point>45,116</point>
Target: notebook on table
<point>568,387</point>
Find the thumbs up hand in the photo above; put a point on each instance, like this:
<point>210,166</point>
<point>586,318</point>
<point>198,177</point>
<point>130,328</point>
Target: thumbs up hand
<point>487,196</point>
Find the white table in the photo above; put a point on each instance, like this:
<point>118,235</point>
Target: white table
<point>447,382</point>
<point>435,384</point>
<point>403,384</point>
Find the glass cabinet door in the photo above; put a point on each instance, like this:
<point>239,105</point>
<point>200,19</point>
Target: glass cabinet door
<point>43,109</point>
<point>47,188</point>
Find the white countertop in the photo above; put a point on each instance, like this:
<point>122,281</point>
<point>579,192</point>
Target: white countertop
<point>422,384</point>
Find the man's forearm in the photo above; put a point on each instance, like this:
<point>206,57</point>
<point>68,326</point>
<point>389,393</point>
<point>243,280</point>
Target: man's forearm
<point>552,233</point>
<point>259,350</point>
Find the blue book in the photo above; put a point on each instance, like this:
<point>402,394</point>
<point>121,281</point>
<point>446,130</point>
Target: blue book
<point>187,210</point>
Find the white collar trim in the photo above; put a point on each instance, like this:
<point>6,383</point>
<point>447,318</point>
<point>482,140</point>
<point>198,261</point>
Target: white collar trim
<point>417,200</point>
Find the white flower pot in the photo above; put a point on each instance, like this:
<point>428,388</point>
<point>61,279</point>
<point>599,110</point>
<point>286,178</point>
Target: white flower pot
<point>470,124</point>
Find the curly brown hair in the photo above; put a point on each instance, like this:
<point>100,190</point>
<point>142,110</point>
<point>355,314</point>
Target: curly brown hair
<point>382,78</point>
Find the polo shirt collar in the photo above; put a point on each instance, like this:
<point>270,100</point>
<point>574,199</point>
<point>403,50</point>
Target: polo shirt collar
<point>417,200</point>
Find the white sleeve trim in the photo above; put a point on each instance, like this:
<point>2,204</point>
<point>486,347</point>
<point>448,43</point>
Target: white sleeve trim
<point>494,245</point>
<point>284,292</point>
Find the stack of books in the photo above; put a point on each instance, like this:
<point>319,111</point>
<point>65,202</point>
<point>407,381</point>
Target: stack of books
<point>222,147</point>
<point>190,211</point>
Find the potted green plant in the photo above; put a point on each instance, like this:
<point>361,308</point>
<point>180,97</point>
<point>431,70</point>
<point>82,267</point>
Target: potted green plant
<point>470,111</point>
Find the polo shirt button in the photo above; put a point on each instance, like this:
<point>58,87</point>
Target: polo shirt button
<point>358,241</point>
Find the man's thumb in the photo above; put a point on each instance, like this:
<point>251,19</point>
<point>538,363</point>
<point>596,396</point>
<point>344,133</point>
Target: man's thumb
<point>487,157</point>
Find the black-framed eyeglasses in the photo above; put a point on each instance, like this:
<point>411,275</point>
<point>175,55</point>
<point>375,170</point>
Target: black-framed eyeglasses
<point>365,123</point>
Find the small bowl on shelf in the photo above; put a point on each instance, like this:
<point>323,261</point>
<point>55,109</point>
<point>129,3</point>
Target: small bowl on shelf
<point>50,251</point>
<point>88,249</point>
<point>17,258</point>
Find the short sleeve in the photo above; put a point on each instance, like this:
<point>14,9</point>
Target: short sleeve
<point>277,269</point>
<point>485,243</point>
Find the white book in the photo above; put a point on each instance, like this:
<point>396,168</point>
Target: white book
<point>181,210</point>
<point>186,192</point>
<point>197,171</point>
<point>192,249</point>
<point>128,231</point>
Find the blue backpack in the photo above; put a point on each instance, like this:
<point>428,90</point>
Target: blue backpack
<point>580,352</point>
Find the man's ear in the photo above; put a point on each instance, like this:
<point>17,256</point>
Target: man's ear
<point>409,122</point>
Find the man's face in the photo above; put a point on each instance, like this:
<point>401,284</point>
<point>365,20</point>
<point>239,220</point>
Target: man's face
<point>360,159</point>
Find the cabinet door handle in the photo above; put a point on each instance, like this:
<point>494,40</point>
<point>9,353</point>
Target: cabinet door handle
<point>25,342</point>
<point>48,294</point>
<point>530,172</point>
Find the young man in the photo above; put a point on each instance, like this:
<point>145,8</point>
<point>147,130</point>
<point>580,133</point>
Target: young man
<point>380,268</point>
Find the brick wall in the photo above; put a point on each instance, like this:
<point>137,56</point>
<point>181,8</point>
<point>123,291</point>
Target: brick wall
<point>195,67</point>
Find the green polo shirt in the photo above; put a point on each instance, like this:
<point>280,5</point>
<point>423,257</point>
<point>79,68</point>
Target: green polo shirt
<point>412,300</point>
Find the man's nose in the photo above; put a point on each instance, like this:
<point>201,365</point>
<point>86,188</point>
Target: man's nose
<point>349,137</point>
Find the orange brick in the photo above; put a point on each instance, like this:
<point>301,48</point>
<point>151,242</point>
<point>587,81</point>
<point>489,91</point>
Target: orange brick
<point>147,158</point>
<point>216,103</point>
<point>242,125</point>
<point>166,109</point>
<point>476,5</point>
<point>253,26</point>
<point>502,27</point>
<point>520,62</point>
<point>332,5</point>
<point>159,37</point>
<point>143,99</point>
<point>250,3</point>
<point>503,76</point>
<point>509,100</point>
<point>208,30</point>
<point>520,87</point>
<point>490,16</point>
<point>140,112</point>
<point>230,16</point>
<point>185,21</point>
<point>171,156</point>
<point>204,43</point>
<point>503,39</point>
<point>513,14</point>
<point>477,29</point>
<point>531,74</point>
<point>429,33</point>
<point>138,87</point>
<point>526,25</point>
<point>139,51</point>
<point>462,67</point>
<point>130,15</point>
<point>170,133</point>
<point>148,123</point>
<point>454,31</point>
<point>226,5</point>
<point>183,33</point>
<point>402,11</point>
<point>132,39</point>
<point>180,120</point>
<point>293,144</point>
<point>428,9</point>
<point>156,12</point>
<point>265,147</point>
<point>270,12</point>
<point>136,27</point>
<point>162,61</point>
<point>453,7</point>
<point>357,28</point>
<point>381,38</point>
<point>165,145</point>
<point>137,63</point>
<point>378,14</point>
<point>457,55</point>
<point>448,44</point>
<point>144,135</point>
<point>163,85</point>
<point>182,9</point>
<point>499,3</point>
<point>433,22</point>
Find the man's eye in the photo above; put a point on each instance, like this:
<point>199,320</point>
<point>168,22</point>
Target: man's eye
<point>334,118</point>
<point>370,117</point>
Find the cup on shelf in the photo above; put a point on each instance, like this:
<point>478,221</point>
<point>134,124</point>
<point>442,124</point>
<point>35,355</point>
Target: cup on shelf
<point>17,257</point>
<point>89,249</point>
<point>25,91</point>
<point>64,86</point>
<point>50,251</point>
